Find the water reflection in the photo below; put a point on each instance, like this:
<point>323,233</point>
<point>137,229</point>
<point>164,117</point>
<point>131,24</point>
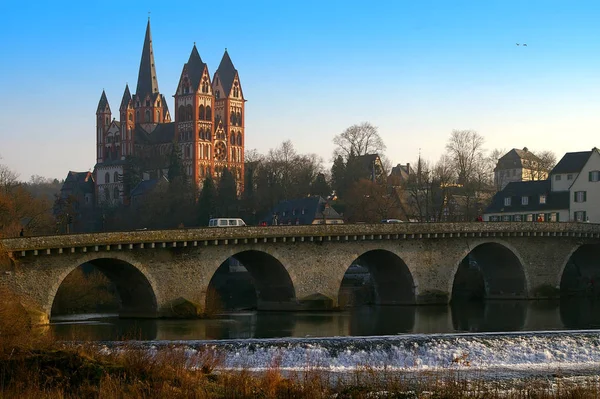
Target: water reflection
<point>488,316</point>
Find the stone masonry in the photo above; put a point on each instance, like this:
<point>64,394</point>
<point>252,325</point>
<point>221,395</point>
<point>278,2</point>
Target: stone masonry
<point>157,271</point>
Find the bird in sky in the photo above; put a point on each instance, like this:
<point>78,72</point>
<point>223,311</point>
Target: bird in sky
<point>518,44</point>
<point>524,44</point>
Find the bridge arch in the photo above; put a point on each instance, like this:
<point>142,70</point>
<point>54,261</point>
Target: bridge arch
<point>391,279</point>
<point>489,270</point>
<point>274,288</point>
<point>580,272</point>
<point>134,285</point>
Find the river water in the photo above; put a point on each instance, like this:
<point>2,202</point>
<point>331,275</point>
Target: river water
<point>490,316</point>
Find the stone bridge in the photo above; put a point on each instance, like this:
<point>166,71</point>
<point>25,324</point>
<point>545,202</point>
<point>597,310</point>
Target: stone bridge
<point>301,267</point>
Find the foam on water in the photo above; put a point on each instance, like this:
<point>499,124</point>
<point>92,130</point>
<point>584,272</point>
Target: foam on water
<point>512,353</point>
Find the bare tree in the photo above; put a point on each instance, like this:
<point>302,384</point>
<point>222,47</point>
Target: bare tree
<point>358,140</point>
<point>465,147</point>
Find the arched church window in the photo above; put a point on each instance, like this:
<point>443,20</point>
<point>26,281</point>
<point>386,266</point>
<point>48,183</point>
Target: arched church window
<point>201,112</point>
<point>148,116</point>
<point>188,112</point>
<point>158,116</point>
<point>130,116</point>
<point>208,113</point>
<point>107,177</point>
<point>147,103</point>
<point>239,118</point>
<point>233,138</point>
<point>181,113</point>
<point>137,115</point>
<point>158,103</point>
<point>239,138</point>
<point>217,94</point>
<point>106,194</point>
<point>116,193</point>
<point>232,118</point>
<point>116,177</point>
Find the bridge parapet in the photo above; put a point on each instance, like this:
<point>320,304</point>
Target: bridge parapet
<point>59,244</point>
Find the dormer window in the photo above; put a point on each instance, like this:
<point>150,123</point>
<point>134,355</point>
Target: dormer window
<point>507,201</point>
<point>524,200</point>
<point>557,178</point>
<point>542,199</point>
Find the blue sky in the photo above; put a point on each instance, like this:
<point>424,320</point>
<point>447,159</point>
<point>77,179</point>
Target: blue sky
<point>415,69</point>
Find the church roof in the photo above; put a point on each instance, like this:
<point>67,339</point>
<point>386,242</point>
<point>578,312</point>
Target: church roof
<point>147,82</point>
<point>126,98</point>
<point>103,103</point>
<point>226,72</point>
<point>162,134</point>
<point>195,67</point>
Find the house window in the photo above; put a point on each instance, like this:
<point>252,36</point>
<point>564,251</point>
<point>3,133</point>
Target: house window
<point>557,177</point>
<point>493,218</point>
<point>107,178</point>
<point>569,177</point>
<point>579,216</point>
<point>530,218</point>
<point>507,201</point>
<point>524,200</point>
<point>594,175</point>
<point>553,217</point>
<point>580,196</point>
<point>506,218</point>
<point>542,199</point>
<point>518,218</point>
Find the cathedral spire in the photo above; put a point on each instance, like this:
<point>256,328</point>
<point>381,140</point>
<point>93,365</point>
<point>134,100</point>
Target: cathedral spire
<point>103,104</point>
<point>227,72</point>
<point>126,98</point>
<point>147,82</point>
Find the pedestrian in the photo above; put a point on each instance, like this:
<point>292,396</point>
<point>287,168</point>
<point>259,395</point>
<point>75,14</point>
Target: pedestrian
<point>22,232</point>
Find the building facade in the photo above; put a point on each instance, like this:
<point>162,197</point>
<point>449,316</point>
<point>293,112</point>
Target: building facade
<point>207,132</point>
<point>571,193</point>
<point>518,165</point>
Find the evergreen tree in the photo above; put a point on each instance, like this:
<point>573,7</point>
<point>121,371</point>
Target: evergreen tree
<point>338,174</point>
<point>176,170</point>
<point>227,195</point>
<point>320,186</point>
<point>207,202</point>
<point>132,174</point>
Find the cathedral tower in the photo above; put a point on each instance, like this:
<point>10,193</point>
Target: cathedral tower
<point>127,118</point>
<point>229,112</point>
<point>194,105</point>
<point>150,106</point>
<point>103,118</point>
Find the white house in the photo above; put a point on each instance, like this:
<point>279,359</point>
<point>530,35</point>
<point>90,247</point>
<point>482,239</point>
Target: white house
<point>571,193</point>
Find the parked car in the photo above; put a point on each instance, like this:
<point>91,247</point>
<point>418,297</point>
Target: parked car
<point>226,222</point>
<point>392,221</point>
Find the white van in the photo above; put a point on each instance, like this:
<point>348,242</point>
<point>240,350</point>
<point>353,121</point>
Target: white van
<point>226,222</point>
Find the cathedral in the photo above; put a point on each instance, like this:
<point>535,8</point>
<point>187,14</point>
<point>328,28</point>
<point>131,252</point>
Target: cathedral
<point>207,130</point>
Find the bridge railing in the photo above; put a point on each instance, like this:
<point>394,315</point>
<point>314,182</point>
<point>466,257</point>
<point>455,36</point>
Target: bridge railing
<point>268,234</point>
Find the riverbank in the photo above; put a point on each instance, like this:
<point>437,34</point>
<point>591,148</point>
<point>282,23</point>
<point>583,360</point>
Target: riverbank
<point>75,371</point>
